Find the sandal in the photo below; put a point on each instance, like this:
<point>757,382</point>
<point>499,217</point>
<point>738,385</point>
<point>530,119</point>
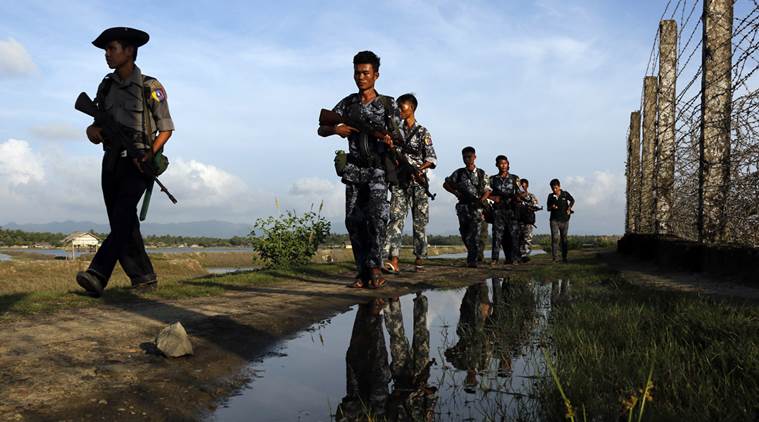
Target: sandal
<point>418,267</point>
<point>357,284</point>
<point>377,281</point>
<point>390,268</point>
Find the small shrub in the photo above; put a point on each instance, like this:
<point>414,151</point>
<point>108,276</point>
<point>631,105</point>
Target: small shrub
<point>289,239</point>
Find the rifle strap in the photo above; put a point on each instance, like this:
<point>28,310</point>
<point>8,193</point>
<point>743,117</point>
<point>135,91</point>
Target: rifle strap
<point>411,136</point>
<point>147,118</point>
<point>387,103</point>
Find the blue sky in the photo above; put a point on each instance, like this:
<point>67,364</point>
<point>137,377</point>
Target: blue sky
<point>548,83</point>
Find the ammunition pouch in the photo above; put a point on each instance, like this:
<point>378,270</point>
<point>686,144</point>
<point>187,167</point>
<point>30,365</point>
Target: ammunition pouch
<point>341,161</point>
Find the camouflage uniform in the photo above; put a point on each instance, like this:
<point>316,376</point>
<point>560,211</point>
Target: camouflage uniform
<point>366,205</point>
<point>482,241</point>
<point>367,370</point>
<point>505,223</point>
<point>412,398</point>
<point>525,230</point>
<point>470,352</point>
<point>471,185</point>
<point>418,150</point>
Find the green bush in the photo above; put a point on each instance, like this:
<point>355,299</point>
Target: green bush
<point>289,239</point>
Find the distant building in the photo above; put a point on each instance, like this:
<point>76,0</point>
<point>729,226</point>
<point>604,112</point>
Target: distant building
<point>81,241</point>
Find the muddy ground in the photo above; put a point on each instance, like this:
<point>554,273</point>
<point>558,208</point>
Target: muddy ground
<point>97,363</point>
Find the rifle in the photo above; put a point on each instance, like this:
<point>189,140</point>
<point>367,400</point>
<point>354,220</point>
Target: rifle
<point>331,118</point>
<point>118,137</point>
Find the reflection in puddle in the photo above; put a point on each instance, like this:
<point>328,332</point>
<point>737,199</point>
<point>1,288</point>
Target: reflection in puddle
<point>229,270</point>
<point>462,255</point>
<point>472,354</point>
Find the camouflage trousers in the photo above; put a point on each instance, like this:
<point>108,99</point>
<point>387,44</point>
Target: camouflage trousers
<point>505,235</point>
<point>366,215</point>
<point>470,223</point>
<point>407,362</point>
<point>483,241</point>
<point>525,238</point>
<point>402,199</point>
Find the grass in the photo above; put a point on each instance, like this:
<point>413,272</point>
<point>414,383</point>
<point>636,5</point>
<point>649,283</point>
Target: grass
<point>66,294</point>
<point>704,351</point>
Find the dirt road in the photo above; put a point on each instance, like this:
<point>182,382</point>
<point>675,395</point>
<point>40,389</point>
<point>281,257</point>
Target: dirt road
<point>97,364</point>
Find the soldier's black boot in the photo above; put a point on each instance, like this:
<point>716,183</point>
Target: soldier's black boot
<point>90,282</point>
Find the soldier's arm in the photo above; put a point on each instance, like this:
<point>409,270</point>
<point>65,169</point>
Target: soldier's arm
<point>488,190</point>
<point>450,186</point>
<point>340,129</point>
<point>570,200</point>
<point>95,133</point>
<point>159,109</point>
<point>430,158</point>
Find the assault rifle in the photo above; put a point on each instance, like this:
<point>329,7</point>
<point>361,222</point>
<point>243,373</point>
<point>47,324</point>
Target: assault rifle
<point>331,118</point>
<point>119,137</point>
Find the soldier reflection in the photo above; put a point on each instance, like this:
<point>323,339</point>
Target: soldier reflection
<point>368,372</point>
<point>471,352</point>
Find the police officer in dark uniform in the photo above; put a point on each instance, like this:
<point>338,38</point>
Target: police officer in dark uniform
<point>366,206</point>
<point>139,102</point>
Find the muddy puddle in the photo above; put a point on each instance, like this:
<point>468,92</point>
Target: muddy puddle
<point>449,355</point>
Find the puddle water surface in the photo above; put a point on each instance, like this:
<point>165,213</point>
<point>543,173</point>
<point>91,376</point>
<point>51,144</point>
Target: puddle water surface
<point>451,355</point>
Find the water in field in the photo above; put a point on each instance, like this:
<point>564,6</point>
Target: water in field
<point>462,255</point>
<point>451,355</point>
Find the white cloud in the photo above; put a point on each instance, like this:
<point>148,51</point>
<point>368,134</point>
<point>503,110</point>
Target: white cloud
<point>57,131</point>
<point>315,191</point>
<point>14,59</point>
<point>600,202</point>
<point>18,165</point>
<point>203,185</point>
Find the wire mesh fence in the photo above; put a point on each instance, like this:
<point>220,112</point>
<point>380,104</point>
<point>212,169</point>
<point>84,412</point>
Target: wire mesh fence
<point>742,188</point>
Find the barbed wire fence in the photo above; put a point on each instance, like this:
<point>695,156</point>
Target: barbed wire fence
<point>741,191</point>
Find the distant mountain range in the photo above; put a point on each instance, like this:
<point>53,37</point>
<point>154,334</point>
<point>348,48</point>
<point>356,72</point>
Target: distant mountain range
<point>210,228</point>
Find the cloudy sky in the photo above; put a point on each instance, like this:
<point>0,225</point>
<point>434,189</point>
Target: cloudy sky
<point>548,83</point>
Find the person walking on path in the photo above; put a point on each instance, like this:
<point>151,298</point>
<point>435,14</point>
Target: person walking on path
<point>559,204</point>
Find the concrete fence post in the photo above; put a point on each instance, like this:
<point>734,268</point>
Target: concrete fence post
<point>716,107</point>
<point>665,139</point>
<point>633,175</point>
<point>647,210</point>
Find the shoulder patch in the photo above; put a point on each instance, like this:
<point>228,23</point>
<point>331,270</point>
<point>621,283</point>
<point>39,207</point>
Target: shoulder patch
<point>157,92</point>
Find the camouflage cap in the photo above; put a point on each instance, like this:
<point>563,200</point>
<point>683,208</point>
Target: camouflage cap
<point>133,36</point>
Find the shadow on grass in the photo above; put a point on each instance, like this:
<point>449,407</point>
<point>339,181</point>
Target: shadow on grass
<point>7,302</point>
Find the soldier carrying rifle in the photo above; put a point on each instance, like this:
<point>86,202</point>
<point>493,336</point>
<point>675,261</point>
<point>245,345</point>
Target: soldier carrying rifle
<point>412,190</point>
<point>131,106</point>
<point>371,124</point>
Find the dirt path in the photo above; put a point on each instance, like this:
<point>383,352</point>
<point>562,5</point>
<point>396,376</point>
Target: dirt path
<point>648,274</point>
<point>94,363</point>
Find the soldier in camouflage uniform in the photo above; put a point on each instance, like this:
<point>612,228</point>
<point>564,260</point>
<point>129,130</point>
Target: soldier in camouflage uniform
<point>525,229</point>
<point>367,371</point>
<point>483,241</point>
<point>412,398</point>
<point>472,188</point>
<point>366,205</point>
<point>505,224</point>
<point>470,353</point>
<point>418,150</point>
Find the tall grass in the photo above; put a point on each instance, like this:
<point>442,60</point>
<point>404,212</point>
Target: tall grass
<point>705,349</point>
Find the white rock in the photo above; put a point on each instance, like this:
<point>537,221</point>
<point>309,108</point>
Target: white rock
<point>173,341</point>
